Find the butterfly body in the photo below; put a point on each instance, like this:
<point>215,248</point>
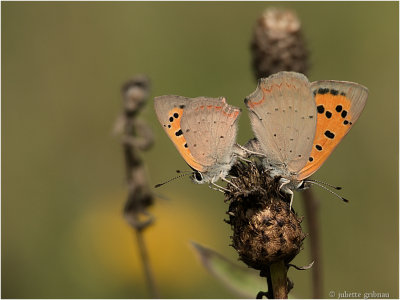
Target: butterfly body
<point>289,180</point>
<point>297,125</point>
<point>204,132</point>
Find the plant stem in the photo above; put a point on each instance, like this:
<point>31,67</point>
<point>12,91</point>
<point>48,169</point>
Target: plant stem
<point>146,264</point>
<point>137,136</point>
<point>311,211</point>
<point>278,274</point>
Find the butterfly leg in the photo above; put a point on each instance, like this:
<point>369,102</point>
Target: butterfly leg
<point>245,150</point>
<point>291,199</point>
<point>285,181</point>
<point>231,183</point>
<point>218,188</point>
<point>215,189</point>
<point>245,159</point>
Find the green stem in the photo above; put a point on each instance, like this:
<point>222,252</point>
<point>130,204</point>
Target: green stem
<point>278,273</point>
<point>312,211</point>
<point>146,265</point>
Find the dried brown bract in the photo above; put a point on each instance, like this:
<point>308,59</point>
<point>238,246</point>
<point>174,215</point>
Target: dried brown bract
<point>278,44</point>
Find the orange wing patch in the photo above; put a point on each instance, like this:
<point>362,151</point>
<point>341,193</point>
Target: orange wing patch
<point>333,123</point>
<point>174,131</point>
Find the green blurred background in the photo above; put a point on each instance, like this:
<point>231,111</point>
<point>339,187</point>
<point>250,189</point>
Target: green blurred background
<point>63,173</point>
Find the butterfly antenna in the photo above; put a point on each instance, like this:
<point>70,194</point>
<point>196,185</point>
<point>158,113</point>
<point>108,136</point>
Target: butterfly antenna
<point>324,183</point>
<point>184,171</point>
<point>176,177</point>
<point>325,188</point>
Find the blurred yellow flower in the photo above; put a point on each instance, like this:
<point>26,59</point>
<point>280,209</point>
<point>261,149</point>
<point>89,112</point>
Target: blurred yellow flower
<point>106,242</point>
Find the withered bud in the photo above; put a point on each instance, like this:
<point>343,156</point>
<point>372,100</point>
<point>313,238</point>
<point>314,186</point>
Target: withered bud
<point>135,92</point>
<point>264,229</point>
<point>278,44</point>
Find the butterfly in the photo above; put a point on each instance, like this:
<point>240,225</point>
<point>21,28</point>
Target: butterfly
<point>298,124</point>
<point>203,130</point>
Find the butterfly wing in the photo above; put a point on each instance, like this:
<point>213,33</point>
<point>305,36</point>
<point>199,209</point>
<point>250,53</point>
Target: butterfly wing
<point>339,104</point>
<point>283,118</point>
<point>210,128</point>
<point>202,129</point>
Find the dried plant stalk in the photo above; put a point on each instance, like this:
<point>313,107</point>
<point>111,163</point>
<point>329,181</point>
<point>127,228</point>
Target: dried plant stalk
<point>136,137</point>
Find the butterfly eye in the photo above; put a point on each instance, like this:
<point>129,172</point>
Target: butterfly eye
<point>198,176</point>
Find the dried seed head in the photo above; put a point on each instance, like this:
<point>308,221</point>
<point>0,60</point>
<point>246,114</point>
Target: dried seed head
<point>135,92</point>
<point>264,230</point>
<point>279,23</point>
<point>278,44</point>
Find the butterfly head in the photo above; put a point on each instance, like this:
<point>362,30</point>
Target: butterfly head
<point>303,185</point>
<point>198,177</point>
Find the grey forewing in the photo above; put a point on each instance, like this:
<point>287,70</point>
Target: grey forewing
<point>203,126</point>
<point>164,104</point>
<point>285,121</point>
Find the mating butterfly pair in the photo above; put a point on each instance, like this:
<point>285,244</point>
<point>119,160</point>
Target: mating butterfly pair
<point>297,125</point>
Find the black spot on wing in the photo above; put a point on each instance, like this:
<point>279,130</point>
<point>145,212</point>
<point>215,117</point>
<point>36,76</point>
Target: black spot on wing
<point>176,115</point>
<point>323,91</point>
<point>345,122</point>
<point>339,108</point>
<point>181,106</point>
<point>344,114</point>
<point>329,134</point>
<point>310,159</point>
<point>334,92</point>
<point>328,114</point>
<point>320,109</point>
<point>318,147</point>
<point>171,119</point>
<point>179,132</point>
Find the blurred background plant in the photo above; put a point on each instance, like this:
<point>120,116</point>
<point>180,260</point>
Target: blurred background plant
<point>136,136</point>
<point>63,184</point>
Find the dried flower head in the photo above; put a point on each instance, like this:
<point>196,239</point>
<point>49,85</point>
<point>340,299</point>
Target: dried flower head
<point>264,229</point>
<point>278,44</point>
